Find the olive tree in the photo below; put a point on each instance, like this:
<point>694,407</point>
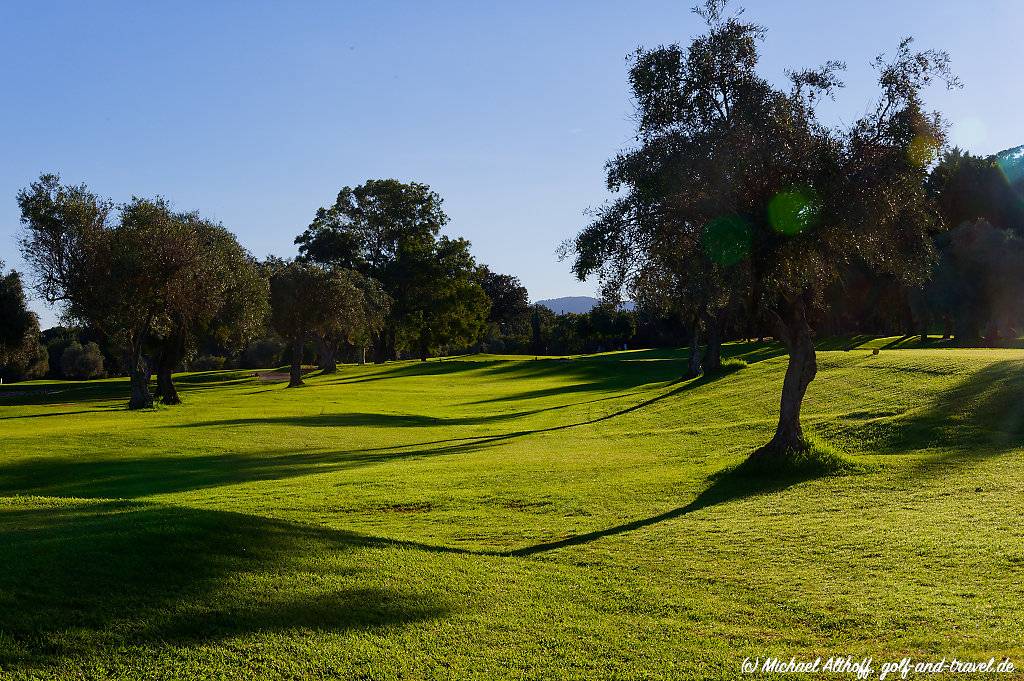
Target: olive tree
<point>143,275</point>
<point>739,191</point>
<point>310,301</point>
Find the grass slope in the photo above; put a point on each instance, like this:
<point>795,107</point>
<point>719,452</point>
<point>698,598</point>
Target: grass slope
<point>499,517</point>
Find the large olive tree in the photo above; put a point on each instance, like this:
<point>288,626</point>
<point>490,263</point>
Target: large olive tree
<point>146,277</point>
<point>737,190</point>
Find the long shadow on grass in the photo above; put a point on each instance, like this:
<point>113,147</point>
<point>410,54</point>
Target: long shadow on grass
<point>732,485</point>
<point>140,476</point>
<point>460,445</point>
<point>87,393</point>
<point>85,581</point>
<point>380,420</point>
<point>981,416</point>
<point>131,477</point>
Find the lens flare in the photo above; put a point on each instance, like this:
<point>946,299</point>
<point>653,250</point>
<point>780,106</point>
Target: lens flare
<point>1011,164</point>
<point>727,240</point>
<point>791,212</point>
<point>923,150</point>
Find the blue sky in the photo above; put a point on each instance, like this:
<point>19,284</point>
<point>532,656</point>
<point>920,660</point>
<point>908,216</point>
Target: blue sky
<point>257,113</point>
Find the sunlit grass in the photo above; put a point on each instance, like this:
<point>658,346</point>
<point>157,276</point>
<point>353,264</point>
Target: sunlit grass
<point>496,516</point>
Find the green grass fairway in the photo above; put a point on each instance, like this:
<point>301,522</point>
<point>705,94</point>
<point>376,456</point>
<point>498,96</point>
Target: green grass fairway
<point>495,517</point>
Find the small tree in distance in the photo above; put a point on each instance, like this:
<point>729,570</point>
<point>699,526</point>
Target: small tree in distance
<point>309,301</point>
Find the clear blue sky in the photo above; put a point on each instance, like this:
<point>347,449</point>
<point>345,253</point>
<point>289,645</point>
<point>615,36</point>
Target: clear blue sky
<point>257,113</point>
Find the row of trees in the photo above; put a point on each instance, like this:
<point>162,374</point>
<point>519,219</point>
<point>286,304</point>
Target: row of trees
<point>158,287</point>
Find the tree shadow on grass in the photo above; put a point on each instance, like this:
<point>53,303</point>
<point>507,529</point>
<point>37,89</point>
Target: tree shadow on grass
<point>981,416</point>
<point>140,476</point>
<point>732,484</point>
<point>127,477</point>
<point>115,391</point>
<point>87,580</point>
<point>461,445</point>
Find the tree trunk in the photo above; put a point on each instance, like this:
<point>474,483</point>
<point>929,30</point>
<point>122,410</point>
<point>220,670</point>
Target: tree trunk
<point>693,367</point>
<point>138,378</point>
<point>378,347</point>
<point>165,385</point>
<point>713,355</point>
<point>424,348</point>
<point>295,379</point>
<point>796,334</point>
<point>328,349</point>
<point>361,354</point>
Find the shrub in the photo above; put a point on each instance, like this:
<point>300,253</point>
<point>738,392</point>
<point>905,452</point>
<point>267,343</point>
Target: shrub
<point>262,353</point>
<point>81,361</point>
<point>208,363</point>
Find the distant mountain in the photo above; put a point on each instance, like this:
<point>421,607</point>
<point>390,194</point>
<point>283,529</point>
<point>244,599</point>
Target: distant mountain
<point>576,304</point>
<point>1012,163</point>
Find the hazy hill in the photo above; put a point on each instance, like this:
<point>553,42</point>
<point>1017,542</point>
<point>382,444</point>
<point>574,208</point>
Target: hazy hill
<point>575,304</point>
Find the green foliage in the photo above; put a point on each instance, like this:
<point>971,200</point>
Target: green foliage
<point>152,282</point>
<point>208,363</point>
<point>263,352</point>
<point>310,301</point>
<point>81,361</point>
<point>738,200</point>
<point>388,230</point>
<point>20,354</point>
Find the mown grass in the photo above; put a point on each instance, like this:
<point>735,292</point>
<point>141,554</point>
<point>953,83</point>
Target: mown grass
<point>497,517</point>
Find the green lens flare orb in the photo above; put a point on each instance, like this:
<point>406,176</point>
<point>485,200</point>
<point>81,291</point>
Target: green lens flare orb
<point>791,212</point>
<point>923,150</point>
<point>727,239</point>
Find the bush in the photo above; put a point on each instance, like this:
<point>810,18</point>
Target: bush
<point>81,361</point>
<point>25,363</point>
<point>262,353</point>
<point>208,363</point>
<point>819,459</point>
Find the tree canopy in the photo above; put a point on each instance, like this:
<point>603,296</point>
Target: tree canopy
<point>389,230</point>
<point>309,301</point>
<point>148,280</point>
<point>737,192</point>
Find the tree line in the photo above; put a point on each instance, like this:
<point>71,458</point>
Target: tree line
<point>146,289</point>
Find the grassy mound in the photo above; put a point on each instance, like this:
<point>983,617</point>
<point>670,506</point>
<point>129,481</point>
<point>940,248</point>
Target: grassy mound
<point>817,460</point>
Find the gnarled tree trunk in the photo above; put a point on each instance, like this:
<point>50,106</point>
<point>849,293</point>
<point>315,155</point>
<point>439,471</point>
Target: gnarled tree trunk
<point>166,390</point>
<point>795,332</point>
<point>327,356</point>
<point>138,379</point>
<point>295,378</point>
<point>167,358</point>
